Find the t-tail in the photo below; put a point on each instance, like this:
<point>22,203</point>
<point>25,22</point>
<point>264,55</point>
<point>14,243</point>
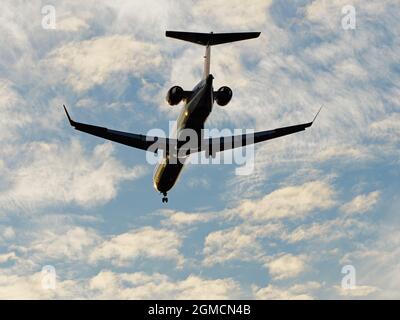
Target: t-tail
<point>210,39</point>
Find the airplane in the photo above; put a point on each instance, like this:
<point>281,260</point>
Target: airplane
<point>198,104</point>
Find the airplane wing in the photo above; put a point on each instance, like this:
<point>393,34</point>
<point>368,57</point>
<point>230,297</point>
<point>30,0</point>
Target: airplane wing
<point>213,145</point>
<point>130,139</point>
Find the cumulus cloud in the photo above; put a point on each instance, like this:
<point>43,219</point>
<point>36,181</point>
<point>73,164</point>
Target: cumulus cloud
<point>7,233</point>
<point>184,219</point>
<point>13,286</point>
<point>111,285</point>
<point>5,257</point>
<point>289,202</point>
<point>55,173</point>
<point>387,129</point>
<point>238,14</point>
<point>92,62</point>
<point>146,242</point>
<point>73,243</point>
<point>295,292</point>
<point>286,266</point>
<point>357,291</point>
<point>72,24</point>
<point>11,104</point>
<point>361,203</point>
<point>325,231</point>
<point>237,243</point>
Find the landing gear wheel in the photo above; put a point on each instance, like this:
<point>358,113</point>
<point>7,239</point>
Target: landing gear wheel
<point>165,198</point>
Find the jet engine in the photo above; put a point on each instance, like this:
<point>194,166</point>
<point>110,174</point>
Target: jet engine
<point>175,95</point>
<point>223,96</point>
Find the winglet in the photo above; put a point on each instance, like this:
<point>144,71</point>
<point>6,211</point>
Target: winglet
<point>71,122</point>
<point>317,114</point>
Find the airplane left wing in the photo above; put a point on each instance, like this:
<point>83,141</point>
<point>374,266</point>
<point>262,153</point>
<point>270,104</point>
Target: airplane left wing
<point>213,145</point>
<point>138,141</point>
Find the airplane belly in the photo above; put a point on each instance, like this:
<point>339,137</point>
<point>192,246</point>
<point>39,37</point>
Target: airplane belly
<point>166,175</point>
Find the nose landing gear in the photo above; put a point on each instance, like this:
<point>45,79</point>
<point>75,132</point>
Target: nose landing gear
<point>165,198</point>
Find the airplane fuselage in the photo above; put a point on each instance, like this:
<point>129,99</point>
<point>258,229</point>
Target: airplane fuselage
<point>193,116</point>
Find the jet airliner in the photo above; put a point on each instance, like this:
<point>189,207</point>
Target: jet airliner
<point>198,104</point>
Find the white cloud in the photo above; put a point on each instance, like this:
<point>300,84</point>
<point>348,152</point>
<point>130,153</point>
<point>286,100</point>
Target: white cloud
<point>7,257</point>
<point>13,286</point>
<point>146,242</point>
<point>295,292</point>
<point>71,24</point>
<point>54,173</point>
<point>184,219</point>
<point>92,62</point>
<point>110,285</point>
<point>353,153</point>
<point>238,14</point>
<point>12,118</point>
<point>387,129</point>
<point>286,266</point>
<point>8,232</point>
<point>361,203</point>
<point>289,202</point>
<point>237,243</point>
<point>72,243</point>
<point>357,291</point>
<point>326,231</point>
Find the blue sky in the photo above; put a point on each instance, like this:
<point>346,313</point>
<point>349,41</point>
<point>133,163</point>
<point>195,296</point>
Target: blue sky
<point>316,201</point>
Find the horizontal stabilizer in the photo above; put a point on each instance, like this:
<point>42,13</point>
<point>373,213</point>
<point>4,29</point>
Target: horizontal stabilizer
<point>211,39</point>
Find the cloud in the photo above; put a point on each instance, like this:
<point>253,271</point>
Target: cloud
<point>357,291</point>
<point>289,202</point>
<point>146,242</point>
<point>343,152</point>
<point>237,15</point>
<point>387,129</point>
<point>286,266</point>
<point>110,285</point>
<point>21,287</point>
<point>295,292</point>
<point>11,119</point>
<point>237,243</point>
<point>72,24</point>
<point>47,174</point>
<point>73,243</point>
<point>325,231</point>
<point>362,203</point>
<point>5,257</point>
<point>87,63</point>
<point>184,219</point>
<point>7,233</point>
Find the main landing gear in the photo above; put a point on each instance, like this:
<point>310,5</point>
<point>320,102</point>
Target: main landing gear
<point>165,198</point>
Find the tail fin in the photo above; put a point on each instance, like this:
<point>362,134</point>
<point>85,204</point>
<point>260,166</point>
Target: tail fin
<point>211,39</point>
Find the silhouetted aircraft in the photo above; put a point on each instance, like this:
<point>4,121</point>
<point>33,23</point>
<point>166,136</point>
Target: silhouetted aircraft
<point>198,106</point>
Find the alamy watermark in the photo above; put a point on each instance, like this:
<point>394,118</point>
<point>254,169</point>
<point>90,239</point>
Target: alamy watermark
<point>48,17</point>
<point>349,20</point>
<point>203,147</point>
<point>349,280</point>
<point>49,278</point>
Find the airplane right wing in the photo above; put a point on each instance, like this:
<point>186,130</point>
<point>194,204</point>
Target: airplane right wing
<point>213,145</point>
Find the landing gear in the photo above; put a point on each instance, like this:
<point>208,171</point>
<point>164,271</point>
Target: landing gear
<point>165,198</point>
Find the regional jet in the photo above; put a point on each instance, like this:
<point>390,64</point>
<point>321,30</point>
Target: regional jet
<point>198,104</point>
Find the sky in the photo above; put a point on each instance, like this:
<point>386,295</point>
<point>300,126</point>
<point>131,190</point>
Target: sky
<point>319,211</point>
